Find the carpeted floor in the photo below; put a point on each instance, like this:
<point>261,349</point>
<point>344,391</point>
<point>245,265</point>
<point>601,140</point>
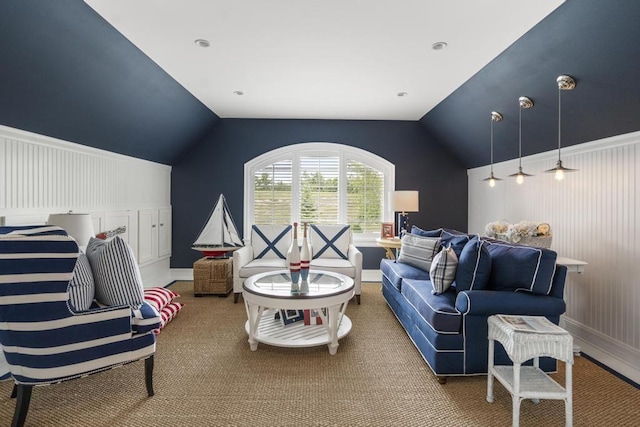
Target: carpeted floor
<point>205,375</point>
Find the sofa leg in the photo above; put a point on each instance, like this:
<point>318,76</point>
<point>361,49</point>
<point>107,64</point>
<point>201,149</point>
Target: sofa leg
<point>22,405</point>
<point>358,299</point>
<point>236,296</point>
<point>441,379</point>
<point>148,375</point>
<point>14,392</point>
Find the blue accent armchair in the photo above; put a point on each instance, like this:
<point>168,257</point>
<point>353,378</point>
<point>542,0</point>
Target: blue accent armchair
<point>43,341</point>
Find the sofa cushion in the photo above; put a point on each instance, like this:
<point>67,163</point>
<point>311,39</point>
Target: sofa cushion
<point>456,239</point>
<point>330,241</point>
<point>437,310</point>
<point>81,287</point>
<point>418,251</point>
<point>395,272</point>
<point>474,266</point>
<point>341,266</point>
<point>262,265</point>
<point>270,241</point>
<point>517,267</point>
<point>115,271</point>
<point>443,270</point>
<point>426,233</point>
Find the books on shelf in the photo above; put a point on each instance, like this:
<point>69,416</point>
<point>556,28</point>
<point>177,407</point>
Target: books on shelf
<point>534,324</point>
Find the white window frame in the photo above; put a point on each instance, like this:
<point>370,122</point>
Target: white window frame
<point>344,152</point>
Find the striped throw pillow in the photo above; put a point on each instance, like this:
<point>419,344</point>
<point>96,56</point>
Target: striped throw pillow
<point>115,272</point>
<point>418,251</point>
<point>168,313</point>
<point>159,297</point>
<point>81,287</point>
<point>443,270</point>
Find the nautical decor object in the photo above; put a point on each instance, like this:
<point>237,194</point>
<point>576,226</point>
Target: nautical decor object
<point>305,255</point>
<point>219,235</point>
<point>294,260</point>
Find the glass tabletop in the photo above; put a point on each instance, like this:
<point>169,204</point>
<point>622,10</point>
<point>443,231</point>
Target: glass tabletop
<point>277,284</point>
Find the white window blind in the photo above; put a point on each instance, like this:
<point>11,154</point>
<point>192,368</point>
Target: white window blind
<point>273,195</point>
<point>319,202</point>
<point>365,197</point>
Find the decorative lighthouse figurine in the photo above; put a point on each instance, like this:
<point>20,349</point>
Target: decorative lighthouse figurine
<point>305,255</point>
<point>294,260</point>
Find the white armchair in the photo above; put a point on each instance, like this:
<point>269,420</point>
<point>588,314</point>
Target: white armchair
<point>332,249</point>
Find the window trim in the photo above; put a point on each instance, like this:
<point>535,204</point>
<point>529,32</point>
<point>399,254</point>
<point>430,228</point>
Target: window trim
<point>344,152</point>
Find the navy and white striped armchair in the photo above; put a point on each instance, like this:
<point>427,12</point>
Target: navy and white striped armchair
<point>42,339</point>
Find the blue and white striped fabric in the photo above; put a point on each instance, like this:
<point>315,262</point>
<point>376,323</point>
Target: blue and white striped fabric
<point>42,340</point>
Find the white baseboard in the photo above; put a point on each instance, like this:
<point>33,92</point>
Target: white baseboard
<point>606,350</point>
<point>187,274</point>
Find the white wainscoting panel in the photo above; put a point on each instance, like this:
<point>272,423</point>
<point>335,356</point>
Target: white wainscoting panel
<point>594,215</point>
<point>40,175</point>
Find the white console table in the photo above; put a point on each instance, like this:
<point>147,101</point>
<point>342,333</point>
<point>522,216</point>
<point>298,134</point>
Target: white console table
<point>573,265</point>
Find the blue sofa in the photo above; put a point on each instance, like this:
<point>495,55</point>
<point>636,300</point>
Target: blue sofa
<point>492,277</point>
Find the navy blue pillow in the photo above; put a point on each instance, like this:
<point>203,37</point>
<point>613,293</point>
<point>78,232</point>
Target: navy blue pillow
<point>518,267</point>
<point>456,241</point>
<point>474,266</point>
<point>425,233</point>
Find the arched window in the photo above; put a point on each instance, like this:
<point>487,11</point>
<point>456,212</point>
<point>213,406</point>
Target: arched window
<point>322,183</point>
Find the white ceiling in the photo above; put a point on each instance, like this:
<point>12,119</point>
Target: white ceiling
<point>331,59</point>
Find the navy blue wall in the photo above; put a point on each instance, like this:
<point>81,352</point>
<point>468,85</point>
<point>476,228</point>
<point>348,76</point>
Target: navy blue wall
<point>68,74</point>
<point>216,165</point>
<point>594,41</point>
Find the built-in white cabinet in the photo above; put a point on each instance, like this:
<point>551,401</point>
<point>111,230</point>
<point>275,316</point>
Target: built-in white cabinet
<point>154,234</point>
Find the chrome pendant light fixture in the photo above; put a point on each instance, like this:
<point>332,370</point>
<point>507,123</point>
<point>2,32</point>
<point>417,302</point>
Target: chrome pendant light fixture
<point>524,103</point>
<point>564,83</point>
<point>495,117</point>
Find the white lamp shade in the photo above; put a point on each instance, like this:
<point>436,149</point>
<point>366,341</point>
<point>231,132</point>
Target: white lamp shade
<point>78,226</point>
<point>405,201</point>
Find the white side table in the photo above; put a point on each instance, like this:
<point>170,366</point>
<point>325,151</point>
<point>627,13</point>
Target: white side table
<point>530,382</point>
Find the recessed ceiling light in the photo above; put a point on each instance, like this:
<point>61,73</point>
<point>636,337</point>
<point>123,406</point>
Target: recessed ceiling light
<point>439,45</point>
<point>238,92</point>
<point>403,93</point>
<point>202,43</point>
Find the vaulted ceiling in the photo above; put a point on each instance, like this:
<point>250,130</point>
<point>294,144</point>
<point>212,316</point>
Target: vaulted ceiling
<point>128,77</point>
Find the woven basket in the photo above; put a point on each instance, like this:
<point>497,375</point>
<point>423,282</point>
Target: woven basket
<point>212,276</point>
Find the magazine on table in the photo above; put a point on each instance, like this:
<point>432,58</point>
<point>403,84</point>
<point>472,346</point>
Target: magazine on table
<point>535,324</point>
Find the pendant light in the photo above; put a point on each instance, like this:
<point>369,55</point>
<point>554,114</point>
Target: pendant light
<point>495,117</point>
<point>564,83</point>
<point>524,103</point>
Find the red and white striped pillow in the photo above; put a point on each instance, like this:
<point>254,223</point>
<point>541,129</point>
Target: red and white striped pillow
<point>159,297</point>
<point>168,313</point>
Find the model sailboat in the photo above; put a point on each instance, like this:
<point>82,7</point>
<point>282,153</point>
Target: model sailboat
<point>219,235</point>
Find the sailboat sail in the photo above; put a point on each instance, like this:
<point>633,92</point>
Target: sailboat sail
<point>219,234</point>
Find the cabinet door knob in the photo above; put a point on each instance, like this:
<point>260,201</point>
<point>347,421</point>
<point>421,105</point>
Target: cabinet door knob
<point>153,226</point>
<point>161,225</point>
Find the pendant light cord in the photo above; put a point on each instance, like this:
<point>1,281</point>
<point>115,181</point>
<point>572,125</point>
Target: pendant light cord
<point>492,146</point>
<point>559,119</point>
<point>520,142</point>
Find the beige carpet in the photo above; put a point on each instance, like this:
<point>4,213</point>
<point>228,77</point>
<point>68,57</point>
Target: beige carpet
<point>206,376</point>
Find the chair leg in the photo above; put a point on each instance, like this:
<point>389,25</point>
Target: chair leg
<point>148,375</point>
<point>14,392</point>
<point>236,296</point>
<point>358,299</point>
<point>22,405</point>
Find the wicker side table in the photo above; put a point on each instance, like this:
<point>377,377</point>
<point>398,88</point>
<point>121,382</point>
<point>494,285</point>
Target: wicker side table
<point>530,382</point>
<point>213,276</point>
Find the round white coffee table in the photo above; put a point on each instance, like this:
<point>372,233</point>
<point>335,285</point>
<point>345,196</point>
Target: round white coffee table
<point>276,314</point>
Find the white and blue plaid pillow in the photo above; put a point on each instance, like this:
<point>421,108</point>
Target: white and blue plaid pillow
<point>443,270</point>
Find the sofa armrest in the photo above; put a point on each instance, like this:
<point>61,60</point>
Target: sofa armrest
<point>110,321</point>
<point>487,303</point>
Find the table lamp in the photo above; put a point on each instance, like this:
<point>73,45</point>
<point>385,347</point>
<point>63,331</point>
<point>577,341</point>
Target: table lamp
<point>403,202</point>
<point>77,225</point>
